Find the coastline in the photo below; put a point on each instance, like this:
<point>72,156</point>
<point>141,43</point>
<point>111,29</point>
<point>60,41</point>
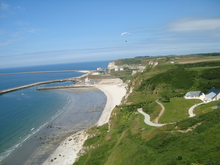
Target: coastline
<point>74,117</point>
<point>49,131</point>
<point>67,151</point>
<point>85,73</point>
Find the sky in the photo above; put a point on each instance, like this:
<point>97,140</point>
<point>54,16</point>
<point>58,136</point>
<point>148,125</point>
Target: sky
<point>66,31</point>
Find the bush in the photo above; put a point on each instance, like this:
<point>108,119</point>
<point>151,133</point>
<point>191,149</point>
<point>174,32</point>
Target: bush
<point>165,99</point>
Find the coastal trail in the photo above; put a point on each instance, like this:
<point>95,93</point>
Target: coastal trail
<point>161,112</point>
<point>147,119</point>
<point>191,109</point>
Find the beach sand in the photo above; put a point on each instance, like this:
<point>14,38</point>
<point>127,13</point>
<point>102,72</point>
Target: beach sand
<point>67,152</point>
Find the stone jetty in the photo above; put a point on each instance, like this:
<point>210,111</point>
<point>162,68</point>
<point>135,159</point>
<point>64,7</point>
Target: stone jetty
<point>84,71</point>
<point>33,84</point>
<point>75,79</point>
<point>62,87</point>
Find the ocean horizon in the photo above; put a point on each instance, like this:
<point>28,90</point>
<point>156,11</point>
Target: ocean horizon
<point>31,118</point>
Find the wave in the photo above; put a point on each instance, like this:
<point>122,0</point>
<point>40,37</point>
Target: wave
<point>5,154</point>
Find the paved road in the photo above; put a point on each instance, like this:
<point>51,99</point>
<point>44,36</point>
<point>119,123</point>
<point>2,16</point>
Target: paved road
<point>147,119</point>
<point>190,111</point>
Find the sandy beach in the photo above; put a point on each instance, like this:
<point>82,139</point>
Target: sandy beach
<point>67,152</point>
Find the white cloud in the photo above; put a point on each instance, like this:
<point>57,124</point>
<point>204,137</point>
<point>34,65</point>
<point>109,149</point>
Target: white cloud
<point>2,32</point>
<point>21,23</point>
<point>4,6</point>
<point>31,30</point>
<point>15,34</point>
<point>8,42</point>
<point>195,24</point>
<point>19,8</point>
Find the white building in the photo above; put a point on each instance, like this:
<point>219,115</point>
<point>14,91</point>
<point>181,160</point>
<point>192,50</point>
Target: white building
<point>212,95</point>
<point>87,80</point>
<point>195,95</point>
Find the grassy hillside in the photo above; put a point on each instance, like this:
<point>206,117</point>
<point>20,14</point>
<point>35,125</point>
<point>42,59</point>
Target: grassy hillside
<point>177,81</point>
<point>188,141</point>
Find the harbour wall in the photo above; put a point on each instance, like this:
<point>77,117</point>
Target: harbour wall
<point>33,84</point>
<point>84,71</point>
<point>75,79</point>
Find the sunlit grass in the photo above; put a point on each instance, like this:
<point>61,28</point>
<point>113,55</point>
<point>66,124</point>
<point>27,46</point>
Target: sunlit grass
<point>204,108</point>
<point>130,141</point>
<point>177,109</point>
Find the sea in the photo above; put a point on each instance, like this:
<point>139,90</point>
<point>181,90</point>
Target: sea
<point>33,122</point>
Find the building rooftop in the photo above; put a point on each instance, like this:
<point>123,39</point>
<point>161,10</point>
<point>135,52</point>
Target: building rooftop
<point>193,94</point>
<point>212,93</point>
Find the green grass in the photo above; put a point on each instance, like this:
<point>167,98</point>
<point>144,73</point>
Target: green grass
<point>177,109</point>
<point>140,144</point>
<point>163,67</point>
<point>205,108</point>
<point>138,97</point>
<point>202,68</point>
<point>130,141</point>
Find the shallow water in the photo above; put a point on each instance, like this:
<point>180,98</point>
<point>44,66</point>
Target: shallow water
<point>83,111</point>
<point>24,112</point>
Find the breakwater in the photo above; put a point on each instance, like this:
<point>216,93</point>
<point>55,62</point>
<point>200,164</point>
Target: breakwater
<point>74,79</point>
<point>84,71</point>
<point>33,84</point>
<point>61,87</point>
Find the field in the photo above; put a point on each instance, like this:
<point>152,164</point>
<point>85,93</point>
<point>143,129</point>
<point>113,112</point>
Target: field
<point>205,108</point>
<point>127,140</point>
<point>177,109</point>
<point>192,59</point>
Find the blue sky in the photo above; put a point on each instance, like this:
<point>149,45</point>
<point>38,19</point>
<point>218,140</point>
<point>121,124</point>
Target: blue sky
<point>66,31</point>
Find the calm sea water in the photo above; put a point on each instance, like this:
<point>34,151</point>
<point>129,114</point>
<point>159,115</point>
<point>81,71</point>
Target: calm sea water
<point>25,112</point>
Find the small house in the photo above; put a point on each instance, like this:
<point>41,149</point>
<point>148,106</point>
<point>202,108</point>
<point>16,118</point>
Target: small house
<point>212,95</point>
<point>195,95</point>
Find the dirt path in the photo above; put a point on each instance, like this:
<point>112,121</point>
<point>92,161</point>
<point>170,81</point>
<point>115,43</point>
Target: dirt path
<point>161,112</point>
<point>147,119</point>
<point>188,129</point>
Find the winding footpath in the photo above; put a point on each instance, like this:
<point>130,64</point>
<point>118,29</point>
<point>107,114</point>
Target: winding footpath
<point>147,119</point>
<point>190,111</point>
<point>155,122</point>
<point>161,112</point>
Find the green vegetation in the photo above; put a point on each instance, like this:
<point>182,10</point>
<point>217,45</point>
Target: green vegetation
<point>205,108</point>
<point>211,54</point>
<point>124,75</point>
<point>187,141</point>
<point>128,61</point>
<point>177,78</point>
<point>176,82</point>
<point>177,109</point>
<point>200,64</point>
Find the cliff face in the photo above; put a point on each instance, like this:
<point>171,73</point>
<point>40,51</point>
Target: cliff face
<point>111,65</point>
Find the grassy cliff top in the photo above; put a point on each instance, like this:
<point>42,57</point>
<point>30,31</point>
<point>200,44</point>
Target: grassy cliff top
<point>183,140</point>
